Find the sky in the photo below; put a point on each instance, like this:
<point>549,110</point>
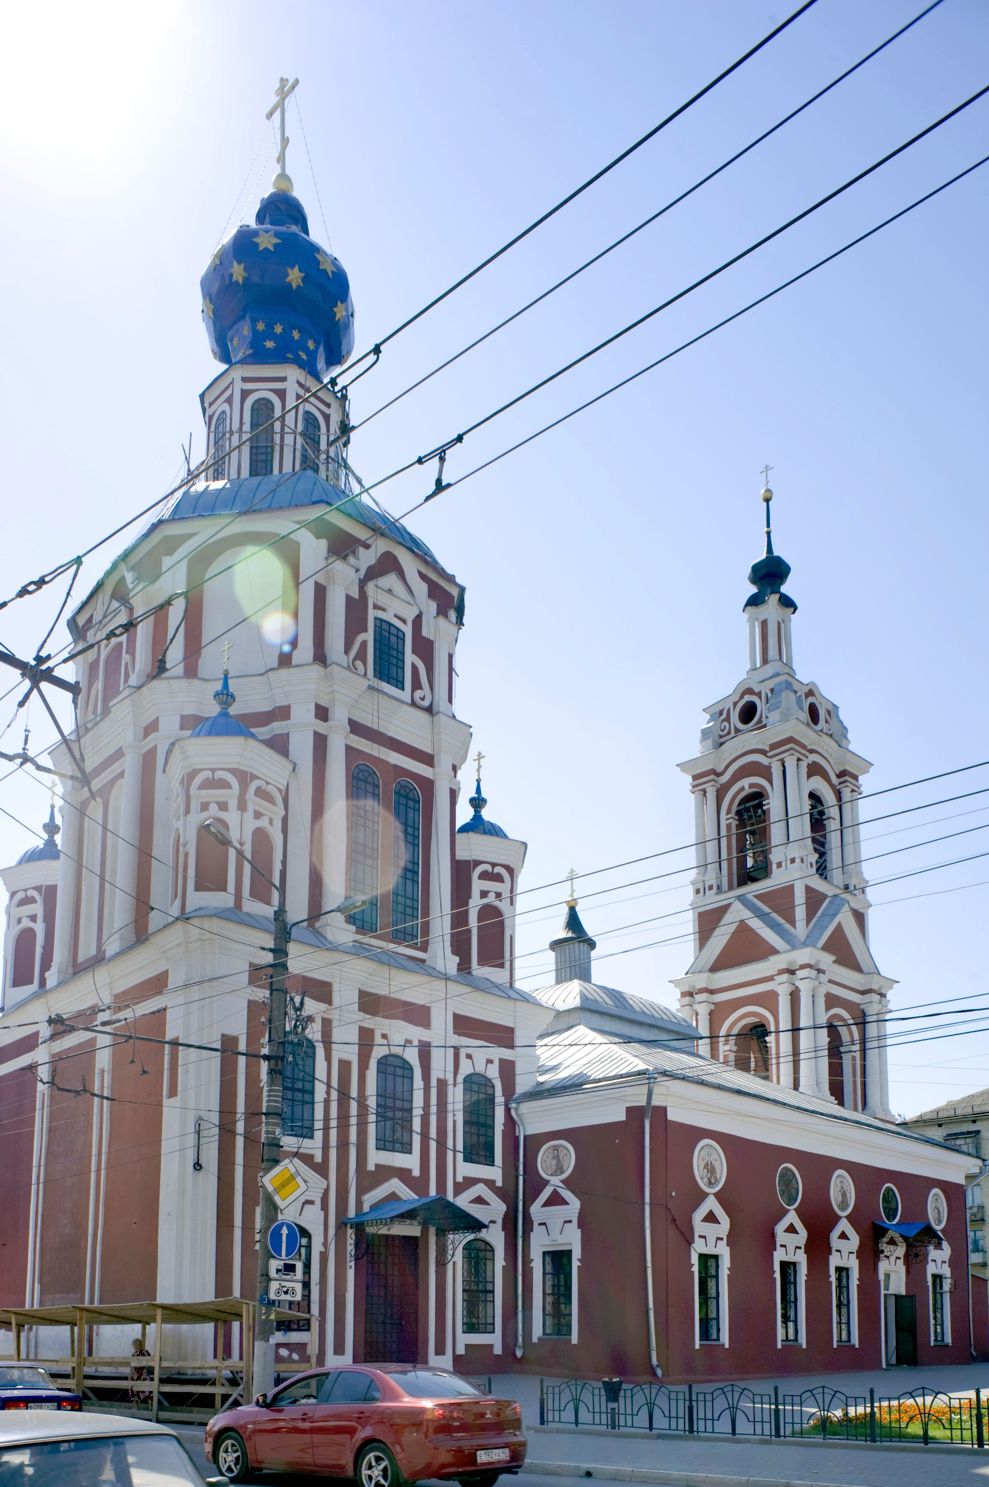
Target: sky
<point>605,563</point>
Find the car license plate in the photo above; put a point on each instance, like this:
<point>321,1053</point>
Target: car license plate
<point>44,1406</point>
<point>501,1454</point>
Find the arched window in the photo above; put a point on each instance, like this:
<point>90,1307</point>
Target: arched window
<point>479,1120</point>
<point>309,459</point>
<point>220,446</point>
<point>752,1050</point>
<point>490,936</point>
<point>393,1104</point>
<point>365,812</point>
<point>478,1271</point>
<point>751,838</point>
<point>819,833</point>
<point>407,809</point>
<point>262,437</point>
<point>25,960</point>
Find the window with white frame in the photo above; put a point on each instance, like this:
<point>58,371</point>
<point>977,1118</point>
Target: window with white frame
<point>844,1268</point>
<point>396,1097</point>
<point>394,1104</point>
<point>939,1293</point>
<point>407,812</point>
<point>262,448</point>
<point>479,1273</point>
<point>25,933</point>
<point>220,425</point>
<point>311,439</point>
<point>389,653</point>
<point>478,1287</point>
<point>479,1120</point>
<point>710,1261</point>
<point>790,1273</point>
<point>555,1260</point>
<point>365,844</point>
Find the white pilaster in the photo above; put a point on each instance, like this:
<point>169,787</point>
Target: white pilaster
<point>777,814</point>
<point>821,1038</point>
<point>125,888</point>
<point>440,885</point>
<point>68,887</point>
<point>700,831</point>
<point>873,1070</point>
<point>702,1016</point>
<point>784,1040</point>
<point>808,1051</point>
<point>335,812</point>
<point>713,835</point>
<point>792,800</point>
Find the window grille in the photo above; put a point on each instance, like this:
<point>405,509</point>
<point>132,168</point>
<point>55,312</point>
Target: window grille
<point>478,1283</point>
<point>262,460</point>
<point>819,834</point>
<point>789,1302</point>
<point>365,813</point>
<point>752,847</point>
<point>299,1087</point>
<point>709,1298</point>
<point>557,1293</point>
<point>220,446</point>
<point>479,1120</point>
<point>393,1113</point>
<point>311,437</point>
<point>389,653</point>
<point>938,1329</point>
<point>407,809</point>
<point>842,1303</point>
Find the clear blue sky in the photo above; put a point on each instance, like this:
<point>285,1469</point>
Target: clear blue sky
<point>605,565</point>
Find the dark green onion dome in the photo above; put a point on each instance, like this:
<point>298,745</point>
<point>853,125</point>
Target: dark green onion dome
<point>769,573</point>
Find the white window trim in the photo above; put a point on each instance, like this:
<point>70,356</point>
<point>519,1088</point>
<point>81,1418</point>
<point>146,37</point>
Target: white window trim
<point>791,1239</point>
<point>939,1263</point>
<point>389,599</point>
<point>488,1207</point>
<point>891,1267</point>
<point>25,911</point>
<point>556,1226</point>
<point>262,814</point>
<point>851,1062</point>
<point>844,1251</point>
<point>478,1061</point>
<point>409,1161</point>
<point>711,1226</point>
<point>739,1022</point>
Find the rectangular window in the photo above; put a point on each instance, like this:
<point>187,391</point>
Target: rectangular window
<point>298,1087</point>
<point>789,1301</point>
<point>938,1330</point>
<point>709,1298</point>
<point>842,1303</point>
<point>967,1141</point>
<point>389,653</point>
<point>478,1278</point>
<point>557,1293</point>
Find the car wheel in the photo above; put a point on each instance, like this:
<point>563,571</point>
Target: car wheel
<point>377,1467</point>
<point>479,1479</point>
<point>230,1456</point>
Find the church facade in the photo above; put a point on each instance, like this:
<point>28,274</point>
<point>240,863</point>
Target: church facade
<point>568,1181</point>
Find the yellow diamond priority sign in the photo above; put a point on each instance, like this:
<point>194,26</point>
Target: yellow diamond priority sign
<point>285,1183</point>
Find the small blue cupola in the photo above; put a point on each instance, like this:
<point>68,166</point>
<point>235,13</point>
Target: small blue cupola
<point>222,725</point>
<point>770,572</point>
<point>769,611</point>
<point>477,823</point>
<point>46,851</point>
<point>573,946</point>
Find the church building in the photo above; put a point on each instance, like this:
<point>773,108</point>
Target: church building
<point>574,1181</point>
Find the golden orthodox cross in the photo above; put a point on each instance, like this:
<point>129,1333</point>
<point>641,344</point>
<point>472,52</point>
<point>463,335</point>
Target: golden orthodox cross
<point>765,474</point>
<point>282,93</point>
<point>478,760</point>
<point>572,875</point>
<point>226,655</point>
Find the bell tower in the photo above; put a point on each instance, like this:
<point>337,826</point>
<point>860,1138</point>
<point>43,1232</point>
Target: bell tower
<point>783,984</point>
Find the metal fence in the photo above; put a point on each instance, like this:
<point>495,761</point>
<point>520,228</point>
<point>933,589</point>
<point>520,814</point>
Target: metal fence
<point>921,1415</point>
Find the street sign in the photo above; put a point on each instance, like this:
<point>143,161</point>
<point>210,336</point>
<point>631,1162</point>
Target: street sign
<point>284,1290</point>
<point>285,1269</point>
<point>284,1240</point>
<point>285,1183</point>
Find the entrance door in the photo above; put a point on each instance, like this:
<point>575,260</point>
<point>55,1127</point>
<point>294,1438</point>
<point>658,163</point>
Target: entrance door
<point>391,1299</point>
<point>901,1330</point>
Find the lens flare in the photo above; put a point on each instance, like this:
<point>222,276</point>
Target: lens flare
<point>279,629</point>
<point>265,589</point>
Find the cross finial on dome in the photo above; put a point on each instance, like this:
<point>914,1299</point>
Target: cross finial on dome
<point>51,827</point>
<point>767,497</point>
<point>282,181</point>
<point>572,900</point>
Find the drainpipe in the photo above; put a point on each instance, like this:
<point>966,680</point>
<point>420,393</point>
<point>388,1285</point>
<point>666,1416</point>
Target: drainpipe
<point>647,1224</point>
<point>519,1216</point>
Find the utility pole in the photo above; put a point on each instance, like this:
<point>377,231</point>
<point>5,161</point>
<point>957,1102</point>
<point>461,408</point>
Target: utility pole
<point>271,1142</point>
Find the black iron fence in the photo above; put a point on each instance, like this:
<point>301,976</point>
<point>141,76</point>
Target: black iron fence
<point>926,1416</point>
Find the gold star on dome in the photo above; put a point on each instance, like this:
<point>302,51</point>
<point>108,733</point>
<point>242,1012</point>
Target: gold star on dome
<point>297,335</point>
<point>269,345</point>
<point>311,344</point>
<point>294,276</point>
<point>339,309</point>
<point>278,327</point>
<point>208,306</point>
<point>260,325</point>
<point>266,240</point>
<point>234,340</point>
<point>325,262</point>
<point>238,273</point>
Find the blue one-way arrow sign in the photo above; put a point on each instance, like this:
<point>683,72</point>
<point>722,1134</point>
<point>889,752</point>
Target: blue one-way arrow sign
<point>284,1240</point>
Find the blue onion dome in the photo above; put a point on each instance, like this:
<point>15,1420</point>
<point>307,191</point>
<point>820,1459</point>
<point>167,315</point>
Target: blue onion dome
<point>45,851</point>
<point>477,822</point>
<point>222,725</point>
<point>769,573</point>
<point>272,294</point>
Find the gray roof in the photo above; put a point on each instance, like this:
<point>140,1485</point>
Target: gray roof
<point>577,1058</point>
<point>964,1108</point>
<point>588,996</point>
<point>307,936</point>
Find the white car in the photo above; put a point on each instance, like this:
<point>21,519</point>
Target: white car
<point>39,1449</point>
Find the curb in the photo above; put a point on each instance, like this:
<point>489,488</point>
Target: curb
<point>669,1478</point>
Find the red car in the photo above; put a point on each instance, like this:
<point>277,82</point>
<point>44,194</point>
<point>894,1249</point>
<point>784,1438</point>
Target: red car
<point>382,1425</point>
<point>25,1386</point>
